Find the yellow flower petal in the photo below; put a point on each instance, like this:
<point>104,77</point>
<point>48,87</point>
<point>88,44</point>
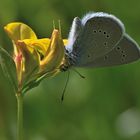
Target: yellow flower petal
<point>30,60</point>
<point>19,31</point>
<point>42,45</point>
<point>65,41</point>
<point>55,56</point>
<point>35,57</point>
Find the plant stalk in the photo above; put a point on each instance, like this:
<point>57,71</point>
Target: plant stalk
<point>19,97</point>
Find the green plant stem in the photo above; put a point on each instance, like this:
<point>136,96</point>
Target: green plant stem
<point>19,97</point>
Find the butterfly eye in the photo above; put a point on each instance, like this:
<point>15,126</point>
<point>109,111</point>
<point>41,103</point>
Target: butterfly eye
<point>67,51</point>
<point>104,33</point>
<point>100,31</point>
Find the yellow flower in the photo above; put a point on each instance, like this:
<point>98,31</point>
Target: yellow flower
<point>34,58</point>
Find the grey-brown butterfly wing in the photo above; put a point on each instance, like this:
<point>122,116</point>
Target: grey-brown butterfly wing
<point>125,52</point>
<point>99,35</point>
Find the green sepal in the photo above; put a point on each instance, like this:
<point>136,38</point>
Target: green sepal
<point>36,81</point>
<point>33,83</point>
<point>8,66</point>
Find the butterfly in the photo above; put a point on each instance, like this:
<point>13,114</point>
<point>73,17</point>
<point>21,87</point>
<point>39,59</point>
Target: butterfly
<point>99,40</point>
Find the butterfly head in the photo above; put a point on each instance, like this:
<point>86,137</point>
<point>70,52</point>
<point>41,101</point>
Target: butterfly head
<point>66,64</point>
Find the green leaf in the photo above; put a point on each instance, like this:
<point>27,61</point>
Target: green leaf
<point>8,67</point>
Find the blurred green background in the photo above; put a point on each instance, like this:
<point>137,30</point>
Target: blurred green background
<point>104,106</point>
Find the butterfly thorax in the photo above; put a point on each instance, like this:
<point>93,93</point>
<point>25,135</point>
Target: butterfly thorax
<point>67,62</point>
<point>65,65</point>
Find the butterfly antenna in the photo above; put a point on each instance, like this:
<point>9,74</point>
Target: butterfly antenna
<point>78,73</point>
<point>59,23</point>
<point>64,90</point>
<point>53,25</point>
